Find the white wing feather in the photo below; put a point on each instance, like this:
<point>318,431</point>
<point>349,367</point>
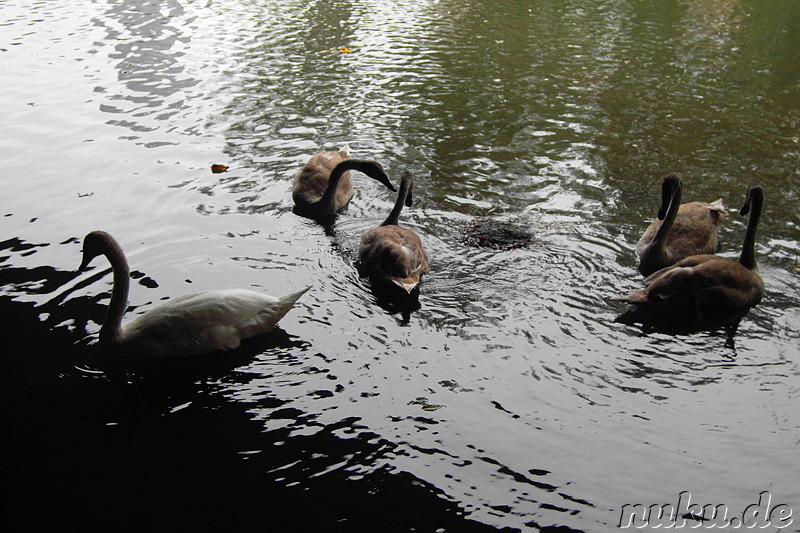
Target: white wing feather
<point>199,323</point>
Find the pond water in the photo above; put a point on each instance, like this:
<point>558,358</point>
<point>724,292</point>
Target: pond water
<point>509,399</point>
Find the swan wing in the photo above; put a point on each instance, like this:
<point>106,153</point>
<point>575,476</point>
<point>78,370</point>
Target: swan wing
<point>312,180</point>
<point>715,282</point>
<point>695,231</point>
<point>205,322</point>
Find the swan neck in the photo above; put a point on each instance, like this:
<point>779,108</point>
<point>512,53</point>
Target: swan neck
<point>394,216</point>
<point>111,331</point>
<point>329,196</point>
<point>669,219</point>
<point>748,256</point>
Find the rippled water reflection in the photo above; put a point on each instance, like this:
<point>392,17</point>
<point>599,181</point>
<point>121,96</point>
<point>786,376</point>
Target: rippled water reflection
<point>509,398</point>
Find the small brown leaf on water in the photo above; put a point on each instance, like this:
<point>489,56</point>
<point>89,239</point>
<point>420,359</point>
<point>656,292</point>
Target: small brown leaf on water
<point>217,169</point>
<point>425,404</point>
<point>345,50</point>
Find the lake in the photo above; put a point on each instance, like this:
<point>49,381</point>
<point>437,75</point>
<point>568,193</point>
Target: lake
<point>508,399</point>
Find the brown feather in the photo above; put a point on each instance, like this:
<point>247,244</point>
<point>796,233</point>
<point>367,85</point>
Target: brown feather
<point>312,180</point>
<point>692,230</point>
<point>702,290</point>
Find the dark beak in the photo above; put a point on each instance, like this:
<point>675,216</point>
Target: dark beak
<point>84,265</point>
<point>745,208</point>
<point>747,201</point>
<point>385,180</point>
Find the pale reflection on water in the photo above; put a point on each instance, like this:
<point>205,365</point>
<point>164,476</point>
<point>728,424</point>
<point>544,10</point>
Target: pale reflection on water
<point>508,398</point>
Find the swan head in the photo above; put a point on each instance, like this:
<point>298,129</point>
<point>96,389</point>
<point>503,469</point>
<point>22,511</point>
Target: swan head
<point>754,194</point>
<point>669,186</point>
<point>380,175</point>
<point>409,178</point>
<point>94,244</point>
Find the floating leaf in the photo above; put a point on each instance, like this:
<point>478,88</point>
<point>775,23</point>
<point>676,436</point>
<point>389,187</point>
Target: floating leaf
<point>217,169</point>
<point>345,50</point>
<point>425,404</point>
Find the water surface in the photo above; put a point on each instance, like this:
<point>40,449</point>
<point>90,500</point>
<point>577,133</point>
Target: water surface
<point>509,399</point>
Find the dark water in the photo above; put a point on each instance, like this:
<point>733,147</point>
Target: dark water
<point>509,399</point>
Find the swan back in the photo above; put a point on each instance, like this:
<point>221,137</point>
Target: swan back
<point>312,180</point>
<point>698,292</point>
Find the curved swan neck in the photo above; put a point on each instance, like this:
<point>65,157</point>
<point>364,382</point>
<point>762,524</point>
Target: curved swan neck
<point>370,168</point>
<point>403,198</point>
<point>111,330</point>
<point>329,196</point>
<point>672,183</point>
<point>755,199</point>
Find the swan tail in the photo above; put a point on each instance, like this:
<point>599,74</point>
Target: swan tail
<point>290,299</point>
<point>717,205</point>
<point>405,284</point>
<point>633,298</point>
<point>269,315</point>
<point>344,151</point>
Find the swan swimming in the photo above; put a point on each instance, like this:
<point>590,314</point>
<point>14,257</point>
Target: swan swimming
<point>323,186</point>
<point>703,290</point>
<point>680,230</point>
<point>391,253</point>
<point>187,325</point>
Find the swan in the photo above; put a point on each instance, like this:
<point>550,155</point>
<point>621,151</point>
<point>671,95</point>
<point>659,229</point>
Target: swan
<point>323,186</point>
<point>703,291</point>
<point>680,230</point>
<point>188,325</point>
<point>393,254</point>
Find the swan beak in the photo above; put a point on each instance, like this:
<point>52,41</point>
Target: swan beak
<point>385,180</point>
<point>84,265</point>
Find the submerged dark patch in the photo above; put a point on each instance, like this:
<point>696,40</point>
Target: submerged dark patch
<point>497,234</point>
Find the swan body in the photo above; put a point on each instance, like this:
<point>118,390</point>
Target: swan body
<point>323,186</point>
<point>703,290</point>
<point>391,253</point>
<point>188,325</point>
<point>680,230</point>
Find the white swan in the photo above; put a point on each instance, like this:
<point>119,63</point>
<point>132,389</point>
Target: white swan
<point>323,186</point>
<point>187,325</point>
